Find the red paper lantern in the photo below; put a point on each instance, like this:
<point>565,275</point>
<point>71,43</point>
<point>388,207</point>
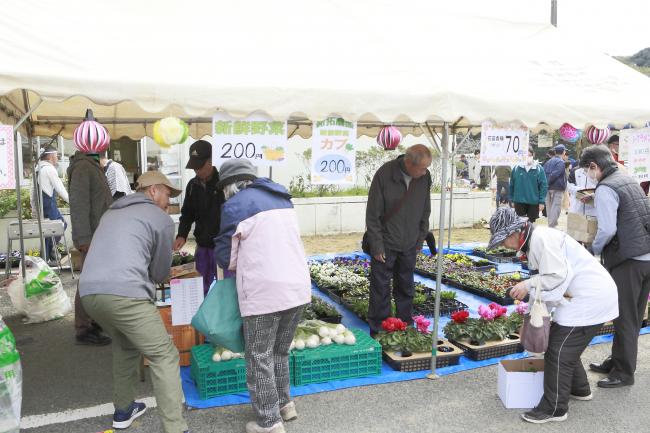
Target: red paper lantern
<point>597,135</point>
<point>389,138</point>
<point>91,136</point>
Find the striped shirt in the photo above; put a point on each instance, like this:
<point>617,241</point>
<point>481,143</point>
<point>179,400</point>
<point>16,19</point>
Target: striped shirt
<point>116,177</point>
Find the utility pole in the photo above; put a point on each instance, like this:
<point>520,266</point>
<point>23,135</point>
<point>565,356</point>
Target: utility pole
<point>554,12</point>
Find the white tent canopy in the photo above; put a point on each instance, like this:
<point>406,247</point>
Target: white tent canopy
<point>367,60</point>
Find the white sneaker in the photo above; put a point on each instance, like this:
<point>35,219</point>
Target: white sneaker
<point>582,397</point>
<point>288,412</point>
<point>253,427</point>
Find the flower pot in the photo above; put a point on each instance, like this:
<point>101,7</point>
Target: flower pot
<point>445,349</point>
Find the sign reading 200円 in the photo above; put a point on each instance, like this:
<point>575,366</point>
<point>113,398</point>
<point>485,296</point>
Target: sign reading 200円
<point>333,152</point>
<point>256,138</point>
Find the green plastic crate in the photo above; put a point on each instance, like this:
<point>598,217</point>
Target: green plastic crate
<point>337,361</point>
<point>216,378</point>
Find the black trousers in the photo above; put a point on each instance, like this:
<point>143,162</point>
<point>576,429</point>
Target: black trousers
<point>632,279</point>
<point>528,210</point>
<point>563,370</point>
<point>398,268</point>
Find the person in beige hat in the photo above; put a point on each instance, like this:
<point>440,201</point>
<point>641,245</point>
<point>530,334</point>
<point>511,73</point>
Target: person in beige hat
<point>130,252</point>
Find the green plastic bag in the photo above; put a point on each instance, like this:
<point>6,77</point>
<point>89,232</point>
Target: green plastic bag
<point>219,318</point>
<point>43,283</point>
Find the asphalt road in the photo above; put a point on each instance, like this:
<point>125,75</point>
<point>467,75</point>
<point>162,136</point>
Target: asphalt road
<point>62,380</point>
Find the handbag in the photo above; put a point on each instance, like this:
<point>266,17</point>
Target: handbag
<point>536,327</point>
<point>365,241</point>
<point>219,318</point>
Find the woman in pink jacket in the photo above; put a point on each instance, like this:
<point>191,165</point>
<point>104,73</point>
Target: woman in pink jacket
<point>260,240</point>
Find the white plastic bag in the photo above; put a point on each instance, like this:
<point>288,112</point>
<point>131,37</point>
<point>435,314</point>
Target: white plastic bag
<point>40,296</point>
<point>11,382</point>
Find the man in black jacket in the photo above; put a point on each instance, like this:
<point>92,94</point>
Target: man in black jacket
<point>397,220</point>
<point>202,207</point>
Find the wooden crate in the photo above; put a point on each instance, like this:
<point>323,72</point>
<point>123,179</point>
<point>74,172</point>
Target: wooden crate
<point>184,336</point>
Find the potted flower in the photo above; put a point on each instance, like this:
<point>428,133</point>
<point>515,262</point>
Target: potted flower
<point>399,337</point>
<point>493,325</point>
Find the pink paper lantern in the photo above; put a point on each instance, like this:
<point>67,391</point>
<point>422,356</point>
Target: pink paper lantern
<point>597,135</point>
<point>569,133</point>
<point>389,138</point>
<point>91,136</point>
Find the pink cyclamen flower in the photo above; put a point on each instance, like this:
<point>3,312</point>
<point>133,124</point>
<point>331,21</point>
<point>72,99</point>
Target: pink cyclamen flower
<point>486,313</point>
<point>422,324</point>
<point>522,308</point>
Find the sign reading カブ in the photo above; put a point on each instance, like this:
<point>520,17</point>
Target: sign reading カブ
<point>257,138</point>
<point>333,156</point>
<point>634,149</point>
<point>7,175</point>
<point>503,144</point>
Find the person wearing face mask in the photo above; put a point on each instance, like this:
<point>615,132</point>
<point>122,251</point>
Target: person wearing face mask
<point>397,221</point>
<point>201,207</point>
<point>623,242</point>
<point>578,289</point>
<point>528,187</point>
<point>578,181</point>
<point>118,291</point>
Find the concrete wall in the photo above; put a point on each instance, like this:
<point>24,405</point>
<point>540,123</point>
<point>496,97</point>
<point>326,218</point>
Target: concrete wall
<point>330,215</point>
<point>334,215</point>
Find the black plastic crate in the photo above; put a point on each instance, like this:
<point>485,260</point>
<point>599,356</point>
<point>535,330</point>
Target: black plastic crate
<point>448,354</point>
<point>501,300</point>
<point>480,353</point>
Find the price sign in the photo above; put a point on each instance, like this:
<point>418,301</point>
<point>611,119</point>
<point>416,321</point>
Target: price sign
<point>7,175</point>
<point>634,149</point>
<point>261,140</point>
<point>503,144</point>
<point>333,152</point>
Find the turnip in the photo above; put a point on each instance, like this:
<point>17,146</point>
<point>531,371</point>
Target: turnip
<point>324,331</point>
<point>292,345</point>
<point>350,339</point>
<point>339,339</point>
<point>313,341</point>
<point>340,329</point>
<point>226,355</point>
<point>216,357</point>
<point>300,344</point>
<point>326,341</point>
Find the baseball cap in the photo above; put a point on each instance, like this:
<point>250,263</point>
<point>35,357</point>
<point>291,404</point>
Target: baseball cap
<point>560,148</point>
<point>155,178</point>
<point>200,151</point>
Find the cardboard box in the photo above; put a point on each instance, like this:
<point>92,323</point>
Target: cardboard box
<point>180,270</point>
<point>581,228</point>
<point>520,382</point>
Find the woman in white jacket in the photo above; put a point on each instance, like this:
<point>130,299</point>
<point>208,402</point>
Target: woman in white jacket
<point>581,294</point>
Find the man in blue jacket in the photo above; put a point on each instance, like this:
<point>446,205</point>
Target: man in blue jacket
<point>555,171</point>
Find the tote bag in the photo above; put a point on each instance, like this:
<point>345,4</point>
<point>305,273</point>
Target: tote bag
<point>219,318</point>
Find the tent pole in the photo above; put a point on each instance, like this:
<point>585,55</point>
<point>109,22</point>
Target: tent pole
<point>436,316</point>
<point>19,205</point>
<point>39,194</point>
<point>452,177</point>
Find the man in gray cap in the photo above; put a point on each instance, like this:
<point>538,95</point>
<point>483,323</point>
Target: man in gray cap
<point>555,170</point>
<point>201,207</point>
<point>118,291</point>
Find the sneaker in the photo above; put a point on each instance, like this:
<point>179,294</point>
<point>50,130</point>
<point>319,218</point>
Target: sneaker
<point>579,397</point>
<point>91,338</point>
<point>288,412</point>
<point>538,417</point>
<point>124,418</point>
<point>253,427</point>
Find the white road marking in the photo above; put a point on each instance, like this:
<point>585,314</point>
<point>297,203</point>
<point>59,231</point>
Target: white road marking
<point>71,415</point>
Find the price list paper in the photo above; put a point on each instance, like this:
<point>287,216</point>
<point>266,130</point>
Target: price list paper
<point>7,176</point>
<point>634,148</point>
<point>503,144</point>
<point>187,297</point>
<point>333,158</point>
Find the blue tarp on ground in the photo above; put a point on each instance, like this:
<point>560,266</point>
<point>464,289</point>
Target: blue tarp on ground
<point>388,375</point>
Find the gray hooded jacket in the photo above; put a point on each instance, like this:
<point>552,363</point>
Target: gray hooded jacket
<point>131,250</point>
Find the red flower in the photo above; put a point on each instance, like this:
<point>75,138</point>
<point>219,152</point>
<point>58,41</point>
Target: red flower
<point>498,310</point>
<point>393,324</point>
<point>460,316</point>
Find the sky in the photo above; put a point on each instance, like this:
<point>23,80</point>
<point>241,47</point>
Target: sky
<point>618,28</point>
